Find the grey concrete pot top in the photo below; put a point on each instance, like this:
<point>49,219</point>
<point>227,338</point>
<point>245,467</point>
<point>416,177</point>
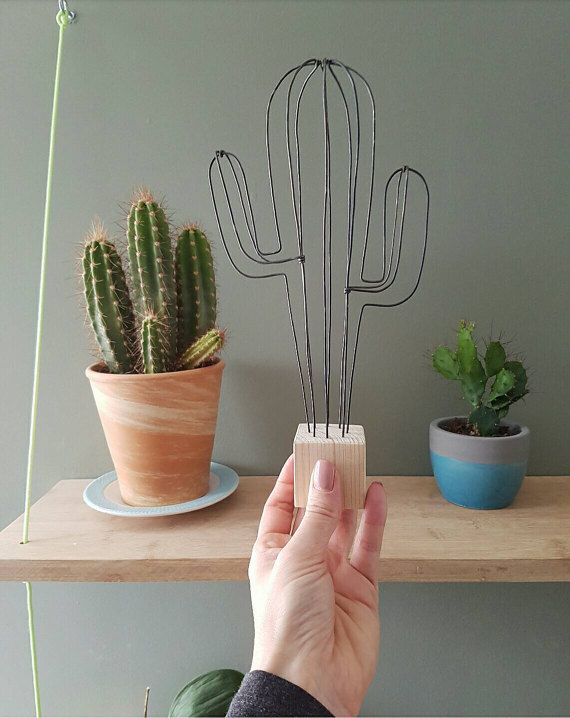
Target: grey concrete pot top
<point>480,449</point>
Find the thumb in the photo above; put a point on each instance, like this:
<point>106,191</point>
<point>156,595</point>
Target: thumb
<point>323,508</point>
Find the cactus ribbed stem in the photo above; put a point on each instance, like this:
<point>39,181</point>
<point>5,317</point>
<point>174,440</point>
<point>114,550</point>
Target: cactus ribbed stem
<point>108,303</point>
<point>173,294</point>
<point>137,299</point>
<point>195,285</point>
<point>202,350</point>
<point>152,265</point>
<point>154,345</point>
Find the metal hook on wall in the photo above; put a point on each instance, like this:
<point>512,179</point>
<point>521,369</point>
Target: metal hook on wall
<point>64,8</point>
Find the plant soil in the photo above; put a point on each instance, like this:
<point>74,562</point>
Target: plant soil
<point>462,426</point>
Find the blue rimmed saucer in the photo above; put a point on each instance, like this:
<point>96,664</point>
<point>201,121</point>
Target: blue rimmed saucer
<point>103,495</point>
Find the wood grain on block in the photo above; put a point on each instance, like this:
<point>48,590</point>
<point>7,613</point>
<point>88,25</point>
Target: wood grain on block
<point>347,453</point>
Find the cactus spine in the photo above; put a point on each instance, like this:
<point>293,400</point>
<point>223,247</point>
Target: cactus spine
<point>202,350</point>
<point>152,265</point>
<point>154,349</point>
<point>108,303</point>
<point>195,284</point>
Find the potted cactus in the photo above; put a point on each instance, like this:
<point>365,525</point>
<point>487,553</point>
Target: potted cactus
<point>479,461</point>
<point>157,387</point>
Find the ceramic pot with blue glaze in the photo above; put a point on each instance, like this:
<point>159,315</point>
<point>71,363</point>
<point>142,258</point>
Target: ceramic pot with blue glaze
<point>479,472</point>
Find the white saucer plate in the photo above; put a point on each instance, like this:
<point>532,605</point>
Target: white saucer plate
<point>103,495</point>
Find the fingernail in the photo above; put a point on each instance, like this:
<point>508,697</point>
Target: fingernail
<point>323,475</point>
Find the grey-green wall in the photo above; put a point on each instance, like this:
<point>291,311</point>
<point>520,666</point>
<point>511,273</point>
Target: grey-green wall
<point>476,95</point>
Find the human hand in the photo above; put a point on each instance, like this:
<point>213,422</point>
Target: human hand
<point>315,610</point>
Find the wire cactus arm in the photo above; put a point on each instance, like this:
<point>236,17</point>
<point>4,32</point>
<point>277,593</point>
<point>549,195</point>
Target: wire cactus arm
<point>386,282</point>
<point>304,73</point>
<point>256,262</point>
<point>347,126</point>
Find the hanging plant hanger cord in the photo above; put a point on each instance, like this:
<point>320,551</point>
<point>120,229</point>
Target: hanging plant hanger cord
<point>64,17</point>
<point>33,653</point>
<point>63,20</point>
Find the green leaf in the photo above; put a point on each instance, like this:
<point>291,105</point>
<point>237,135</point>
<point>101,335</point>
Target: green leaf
<point>504,382</point>
<point>466,347</point>
<point>445,362</point>
<point>485,419</point>
<point>495,357</point>
<point>207,695</point>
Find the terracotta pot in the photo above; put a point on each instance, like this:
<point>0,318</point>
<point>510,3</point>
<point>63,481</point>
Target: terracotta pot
<point>160,431</point>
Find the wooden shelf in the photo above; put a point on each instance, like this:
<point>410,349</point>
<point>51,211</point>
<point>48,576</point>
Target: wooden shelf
<point>426,539</point>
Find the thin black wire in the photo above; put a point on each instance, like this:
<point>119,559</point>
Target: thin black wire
<point>353,160</point>
<point>248,213</point>
<point>297,207</point>
<point>326,239</point>
<point>388,305</point>
<point>216,161</point>
<point>298,216</point>
<point>263,256</point>
<point>398,227</point>
<point>351,73</point>
<point>268,147</point>
<point>391,249</point>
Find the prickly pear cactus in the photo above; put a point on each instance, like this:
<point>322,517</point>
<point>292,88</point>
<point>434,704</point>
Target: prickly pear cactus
<point>490,386</point>
<point>203,350</point>
<point>195,284</point>
<point>108,302</point>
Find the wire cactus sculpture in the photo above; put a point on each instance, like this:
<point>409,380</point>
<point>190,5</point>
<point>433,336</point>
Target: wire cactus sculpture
<point>361,286</point>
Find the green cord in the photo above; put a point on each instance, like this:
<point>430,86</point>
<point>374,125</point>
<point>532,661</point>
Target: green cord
<point>32,634</point>
<point>62,21</point>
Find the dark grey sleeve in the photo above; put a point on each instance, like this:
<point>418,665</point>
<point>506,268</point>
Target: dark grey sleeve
<point>263,694</point>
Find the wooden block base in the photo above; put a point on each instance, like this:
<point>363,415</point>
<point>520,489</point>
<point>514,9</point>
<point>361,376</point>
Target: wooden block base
<point>347,453</point>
